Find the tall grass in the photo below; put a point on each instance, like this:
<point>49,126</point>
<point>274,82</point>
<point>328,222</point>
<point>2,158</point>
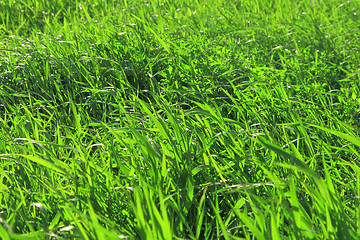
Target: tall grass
<point>179,119</point>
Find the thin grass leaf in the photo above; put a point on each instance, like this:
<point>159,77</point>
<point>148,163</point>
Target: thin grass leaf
<point>295,161</point>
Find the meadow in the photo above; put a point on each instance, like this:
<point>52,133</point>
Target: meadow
<point>164,119</point>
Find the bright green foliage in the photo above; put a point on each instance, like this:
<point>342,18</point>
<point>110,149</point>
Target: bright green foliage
<point>216,119</point>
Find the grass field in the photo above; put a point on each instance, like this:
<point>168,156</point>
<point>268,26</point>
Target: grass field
<point>216,119</point>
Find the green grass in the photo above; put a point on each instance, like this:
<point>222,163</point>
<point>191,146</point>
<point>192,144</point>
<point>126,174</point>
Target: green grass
<point>221,119</point>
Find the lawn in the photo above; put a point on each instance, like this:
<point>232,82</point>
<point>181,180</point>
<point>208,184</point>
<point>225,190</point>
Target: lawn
<point>164,119</point>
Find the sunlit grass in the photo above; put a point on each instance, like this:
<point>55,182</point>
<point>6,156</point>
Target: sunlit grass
<point>179,120</point>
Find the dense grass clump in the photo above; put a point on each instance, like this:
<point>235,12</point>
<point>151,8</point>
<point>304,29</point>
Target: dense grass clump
<point>221,119</point>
